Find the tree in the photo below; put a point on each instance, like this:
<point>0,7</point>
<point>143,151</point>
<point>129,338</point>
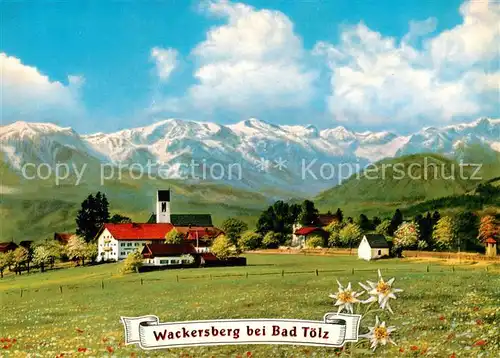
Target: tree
<point>120,219</point>
<point>271,240</point>
<point>339,215</point>
<point>9,256</point>
<point>397,220</point>
<point>249,241</point>
<point>233,228</point>
<point>350,235</point>
<point>174,237</point>
<point>21,257</point>
<point>467,226</point>
<point>278,217</point>
<point>384,228</point>
<point>376,221</point>
<point>406,235</point>
<point>94,212</point>
<point>444,234</point>
<point>3,263</point>
<point>364,223</point>
<point>308,214</point>
<point>488,227</point>
<point>77,248</point>
<point>55,250</point>
<point>334,239</point>
<point>41,257</point>
<point>314,241</point>
<point>222,247</point>
<point>132,263</point>
<point>425,228</point>
<point>91,252</point>
<point>334,226</point>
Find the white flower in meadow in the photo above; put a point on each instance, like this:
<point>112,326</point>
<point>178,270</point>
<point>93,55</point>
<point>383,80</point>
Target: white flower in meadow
<point>381,291</point>
<point>379,334</point>
<point>345,297</point>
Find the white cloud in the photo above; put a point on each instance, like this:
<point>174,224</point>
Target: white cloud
<point>376,80</point>
<point>255,59</point>
<point>28,94</point>
<point>165,60</point>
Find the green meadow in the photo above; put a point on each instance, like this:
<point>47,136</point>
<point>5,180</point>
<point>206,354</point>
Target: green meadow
<point>444,311</point>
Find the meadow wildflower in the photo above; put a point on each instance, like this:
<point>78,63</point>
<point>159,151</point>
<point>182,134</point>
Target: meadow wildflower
<point>381,291</point>
<point>346,297</point>
<point>379,334</point>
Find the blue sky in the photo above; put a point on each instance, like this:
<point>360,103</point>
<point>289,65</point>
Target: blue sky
<point>108,65</point>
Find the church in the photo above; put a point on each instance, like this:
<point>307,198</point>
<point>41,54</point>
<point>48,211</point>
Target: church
<point>116,241</point>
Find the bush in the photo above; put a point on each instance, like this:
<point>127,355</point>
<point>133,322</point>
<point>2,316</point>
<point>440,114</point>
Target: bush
<point>315,241</point>
<point>272,240</point>
<point>249,241</point>
<point>334,240</point>
<point>132,263</point>
<point>222,247</point>
<point>174,237</point>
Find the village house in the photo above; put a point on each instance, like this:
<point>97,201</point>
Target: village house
<point>161,254</point>
<point>373,246</point>
<point>116,241</point>
<point>62,237</point>
<point>301,233</point>
<point>491,247</point>
<point>7,246</point>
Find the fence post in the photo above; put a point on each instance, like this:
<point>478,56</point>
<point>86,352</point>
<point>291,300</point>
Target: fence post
<point>60,289</point>
<point>317,273</point>
<point>352,270</point>
<point>177,278</point>
<point>487,268</point>
<point>210,276</point>
<point>247,274</point>
<point>453,268</point>
<point>102,284</point>
<point>427,268</point>
<point>21,292</point>
<point>142,283</point>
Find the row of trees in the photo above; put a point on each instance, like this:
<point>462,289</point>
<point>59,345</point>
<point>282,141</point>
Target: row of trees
<point>46,254</point>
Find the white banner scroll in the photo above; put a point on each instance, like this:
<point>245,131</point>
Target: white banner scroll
<point>149,333</point>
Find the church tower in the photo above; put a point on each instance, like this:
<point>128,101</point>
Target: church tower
<point>163,207</point>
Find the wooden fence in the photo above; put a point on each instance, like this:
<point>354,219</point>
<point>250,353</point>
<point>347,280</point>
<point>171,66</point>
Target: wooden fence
<point>140,280</point>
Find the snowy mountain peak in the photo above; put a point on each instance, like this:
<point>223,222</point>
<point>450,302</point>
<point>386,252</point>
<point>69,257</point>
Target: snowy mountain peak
<point>22,128</point>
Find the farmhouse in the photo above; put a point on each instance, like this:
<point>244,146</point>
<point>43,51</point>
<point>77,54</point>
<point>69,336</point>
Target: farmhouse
<point>161,254</point>
<point>62,237</point>
<point>301,233</point>
<point>7,246</point>
<point>373,246</point>
<point>116,241</point>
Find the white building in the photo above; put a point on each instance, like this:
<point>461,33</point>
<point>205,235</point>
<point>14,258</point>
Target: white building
<point>372,247</point>
<point>116,241</point>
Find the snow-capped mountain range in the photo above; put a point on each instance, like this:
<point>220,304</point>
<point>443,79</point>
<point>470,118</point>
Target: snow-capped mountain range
<point>268,155</point>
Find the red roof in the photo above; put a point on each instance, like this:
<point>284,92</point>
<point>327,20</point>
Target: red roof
<point>7,246</point>
<point>134,231</point>
<point>62,237</point>
<point>306,230</point>
<point>152,250</point>
<point>491,241</point>
<point>198,232</point>
<point>208,256</point>
<point>326,219</point>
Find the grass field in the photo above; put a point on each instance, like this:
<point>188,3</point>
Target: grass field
<point>443,310</point>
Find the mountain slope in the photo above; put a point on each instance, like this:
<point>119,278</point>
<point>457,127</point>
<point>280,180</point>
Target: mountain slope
<point>181,149</point>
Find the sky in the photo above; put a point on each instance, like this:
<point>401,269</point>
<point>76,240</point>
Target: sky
<point>102,66</point>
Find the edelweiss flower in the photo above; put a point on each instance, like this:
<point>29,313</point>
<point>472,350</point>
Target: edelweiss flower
<point>346,297</point>
<point>380,334</point>
<point>381,291</point>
